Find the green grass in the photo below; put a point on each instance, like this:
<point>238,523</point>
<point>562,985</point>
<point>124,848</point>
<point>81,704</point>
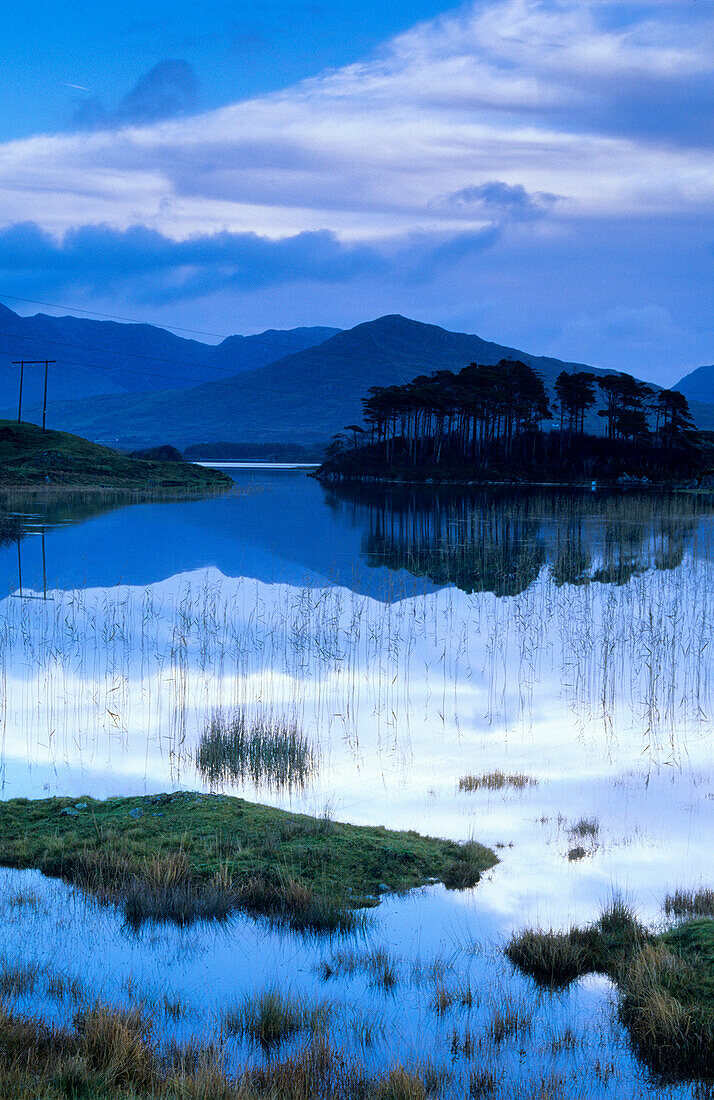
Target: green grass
<point>267,749</point>
<point>187,855</point>
<point>31,458</point>
<point>665,982</point>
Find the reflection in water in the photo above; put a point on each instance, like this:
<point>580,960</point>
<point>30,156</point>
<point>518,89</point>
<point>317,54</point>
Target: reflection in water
<point>507,656</point>
<point>269,751</point>
<point>486,540</point>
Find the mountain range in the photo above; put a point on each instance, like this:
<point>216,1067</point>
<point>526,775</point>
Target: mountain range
<point>137,385</point>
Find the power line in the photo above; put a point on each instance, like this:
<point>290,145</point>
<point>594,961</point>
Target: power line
<point>255,339</point>
<point>112,316</point>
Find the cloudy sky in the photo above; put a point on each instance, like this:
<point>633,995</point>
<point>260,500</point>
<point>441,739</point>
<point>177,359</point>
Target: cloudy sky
<point>540,173</point>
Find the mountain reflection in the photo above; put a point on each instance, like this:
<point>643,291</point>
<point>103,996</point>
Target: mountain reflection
<point>488,540</point>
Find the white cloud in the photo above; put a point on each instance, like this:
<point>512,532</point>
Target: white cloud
<point>514,91</point>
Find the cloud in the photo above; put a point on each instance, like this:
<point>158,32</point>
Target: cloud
<point>164,269</point>
<point>541,99</point>
<point>512,158</point>
<point>502,201</point>
<point>165,91</point>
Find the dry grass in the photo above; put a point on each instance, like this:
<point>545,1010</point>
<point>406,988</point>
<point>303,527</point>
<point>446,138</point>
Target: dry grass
<point>667,1032</point>
<point>113,1054</point>
<point>496,781</point>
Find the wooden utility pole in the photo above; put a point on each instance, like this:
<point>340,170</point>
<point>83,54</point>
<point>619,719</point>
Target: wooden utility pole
<point>22,363</point>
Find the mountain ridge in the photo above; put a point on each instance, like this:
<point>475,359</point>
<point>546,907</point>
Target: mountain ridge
<point>303,397</point>
<point>94,358</point>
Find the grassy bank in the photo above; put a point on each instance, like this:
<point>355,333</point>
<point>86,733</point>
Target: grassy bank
<point>665,982</point>
<point>189,856</point>
<point>31,458</point>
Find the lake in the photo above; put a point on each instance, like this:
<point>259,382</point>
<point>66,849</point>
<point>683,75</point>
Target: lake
<point>531,668</point>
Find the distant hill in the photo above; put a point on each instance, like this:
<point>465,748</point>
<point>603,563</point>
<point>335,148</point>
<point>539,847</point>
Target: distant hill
<point>300,398</point>
<point>698,385</point>
<point>103,357</point>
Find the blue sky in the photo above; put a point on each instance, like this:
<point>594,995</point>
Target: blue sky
<point>540,173</point>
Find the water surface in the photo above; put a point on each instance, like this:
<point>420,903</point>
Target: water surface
<point>414,636</point>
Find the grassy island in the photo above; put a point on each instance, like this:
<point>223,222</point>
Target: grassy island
<point>665,982</point>
<point>187,856</point>
<point>31,458</point>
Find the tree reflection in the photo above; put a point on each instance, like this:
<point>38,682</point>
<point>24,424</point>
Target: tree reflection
<point>491,540</point>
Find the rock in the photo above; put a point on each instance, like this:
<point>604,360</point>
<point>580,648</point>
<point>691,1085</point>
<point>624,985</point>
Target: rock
<point>70,811</point>
<point>136,812</point>
<point>80,805</point>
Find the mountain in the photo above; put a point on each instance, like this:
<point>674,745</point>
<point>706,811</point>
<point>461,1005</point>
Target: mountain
<point>698,385</point>
<point>103,357</point>
<point>303,398</point>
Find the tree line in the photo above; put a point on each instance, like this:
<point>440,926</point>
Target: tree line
<point>486,414</point>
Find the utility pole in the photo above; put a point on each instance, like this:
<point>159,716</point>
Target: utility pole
<point>22,363</point>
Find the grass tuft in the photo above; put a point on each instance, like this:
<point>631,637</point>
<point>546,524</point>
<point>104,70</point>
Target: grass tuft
<point>272,1017</point>
<point>690,903</point>
<point>268,751</point>
<point>496,781</point>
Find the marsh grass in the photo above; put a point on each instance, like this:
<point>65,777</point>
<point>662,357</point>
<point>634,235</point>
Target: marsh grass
<point>508,1021</point>
<point>665,985</point>
<point>690,903</point>
<point>585,827</point>
<point>381,968</point>
<point>270,751</point>
<point>551,958</point>
<point>114,1054</point>
<point>497,781</point>
<point>273,1016</point>
<point>18,979</point>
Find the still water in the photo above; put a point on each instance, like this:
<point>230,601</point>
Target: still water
<point>415,637</point>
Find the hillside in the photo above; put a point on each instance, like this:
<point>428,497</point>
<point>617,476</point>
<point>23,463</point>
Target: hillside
<point>31,458</point>
<point>103,357</point>
<point>302,398</point>
<point>698,385</point>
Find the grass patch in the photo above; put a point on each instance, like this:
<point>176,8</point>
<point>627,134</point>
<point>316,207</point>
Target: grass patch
<point>114,1054</point>
<point>30,457</point>
<point>690,903</point>
<point>272,1017</point>
<point>272,752</point>
<point>186,856</point>
<point>665,982</point>
<point>496,781</point>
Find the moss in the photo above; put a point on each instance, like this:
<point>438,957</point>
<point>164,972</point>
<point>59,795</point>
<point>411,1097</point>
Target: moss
<point>227,843</point>
<point>30,457</point>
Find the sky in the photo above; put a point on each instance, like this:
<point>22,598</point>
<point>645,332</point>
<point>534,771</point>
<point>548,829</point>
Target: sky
<point>538,173</point>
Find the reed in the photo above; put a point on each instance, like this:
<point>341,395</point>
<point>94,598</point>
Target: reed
<point>690,903</point>
<point>269,751</point>
<point>497,781</point>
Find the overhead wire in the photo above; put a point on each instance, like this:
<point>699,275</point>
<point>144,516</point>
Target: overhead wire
<point>229,372</point>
